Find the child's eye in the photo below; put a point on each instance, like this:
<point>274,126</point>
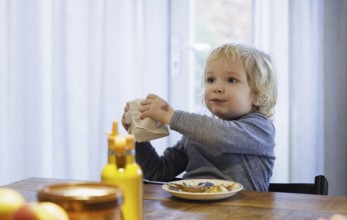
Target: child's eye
<point>209,79</point>
<point>232,80</point>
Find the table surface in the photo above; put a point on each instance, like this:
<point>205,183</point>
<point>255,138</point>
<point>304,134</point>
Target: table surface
<point>159,204</point>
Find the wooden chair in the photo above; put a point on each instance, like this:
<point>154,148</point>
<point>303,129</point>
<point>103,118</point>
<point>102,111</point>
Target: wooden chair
<point>319,187</point>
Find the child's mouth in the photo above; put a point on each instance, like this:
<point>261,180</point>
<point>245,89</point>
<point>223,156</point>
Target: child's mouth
<point>217,100</point>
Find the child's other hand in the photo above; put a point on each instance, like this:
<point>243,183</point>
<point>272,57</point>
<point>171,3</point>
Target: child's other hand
<point>156,108</point>
<point>125,125</point>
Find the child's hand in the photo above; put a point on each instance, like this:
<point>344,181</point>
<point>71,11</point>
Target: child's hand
<point>125,126</point>
<point>156,108</point>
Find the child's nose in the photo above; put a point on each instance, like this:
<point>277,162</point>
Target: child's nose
<point>218,89</point>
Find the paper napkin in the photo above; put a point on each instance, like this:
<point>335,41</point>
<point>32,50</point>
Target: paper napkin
<point>146,129</point>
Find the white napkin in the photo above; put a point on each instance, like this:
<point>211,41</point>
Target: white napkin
<point>146,129</point>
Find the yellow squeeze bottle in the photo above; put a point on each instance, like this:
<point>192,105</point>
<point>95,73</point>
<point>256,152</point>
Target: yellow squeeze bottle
<point>129,177</point>
<point>108,173</point>
<point>135,175</point>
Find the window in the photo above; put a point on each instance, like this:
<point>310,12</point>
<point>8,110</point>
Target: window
<point>217,22</point>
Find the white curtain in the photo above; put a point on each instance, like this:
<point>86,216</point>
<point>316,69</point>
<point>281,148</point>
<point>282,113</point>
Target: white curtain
<point>306,89</point>
<point>67,67</point>
<point>308,42</point>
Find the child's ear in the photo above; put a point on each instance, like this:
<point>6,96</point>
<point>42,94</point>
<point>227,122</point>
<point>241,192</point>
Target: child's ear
<point>255,100</point>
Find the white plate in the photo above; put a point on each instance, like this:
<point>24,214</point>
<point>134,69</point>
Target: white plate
<point>203,196</point>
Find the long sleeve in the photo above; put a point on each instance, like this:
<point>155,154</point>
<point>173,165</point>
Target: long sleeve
<point>252,134</point>
<point>161,168</point>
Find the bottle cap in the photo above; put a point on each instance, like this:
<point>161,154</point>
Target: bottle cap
<point>114,128</point>
<point>130,141</point>
<point>111,142</point>
<point>120,144</point>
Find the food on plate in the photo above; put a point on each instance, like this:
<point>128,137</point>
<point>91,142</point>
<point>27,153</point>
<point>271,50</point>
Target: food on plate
<point>201,187</point>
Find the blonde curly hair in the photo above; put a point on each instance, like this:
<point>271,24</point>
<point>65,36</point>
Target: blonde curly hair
<point>260,74</point>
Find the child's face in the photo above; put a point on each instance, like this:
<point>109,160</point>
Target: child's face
<point>227,93</point>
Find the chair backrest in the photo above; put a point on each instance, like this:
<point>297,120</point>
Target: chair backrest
<point>319,187</point>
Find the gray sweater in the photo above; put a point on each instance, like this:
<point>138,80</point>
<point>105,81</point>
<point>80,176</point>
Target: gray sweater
<point>241,150</point>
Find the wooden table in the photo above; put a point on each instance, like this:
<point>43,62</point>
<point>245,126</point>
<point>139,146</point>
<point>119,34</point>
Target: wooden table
<point>159,204</point>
